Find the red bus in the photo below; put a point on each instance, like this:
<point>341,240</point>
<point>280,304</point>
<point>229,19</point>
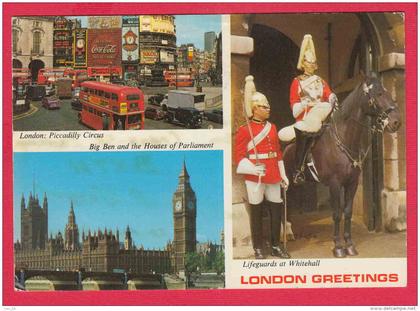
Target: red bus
<point>104,73</point>
<point>107,106</point>
<point>77,75</point>
<point>49,75</point>
<point>21,75</point>
<point>178,79</point>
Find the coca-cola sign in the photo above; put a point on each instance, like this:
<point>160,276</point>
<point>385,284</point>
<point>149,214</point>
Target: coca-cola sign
<point>104,47</point>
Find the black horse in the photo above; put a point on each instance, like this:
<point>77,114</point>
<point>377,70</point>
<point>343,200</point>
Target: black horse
<point>338,152</point>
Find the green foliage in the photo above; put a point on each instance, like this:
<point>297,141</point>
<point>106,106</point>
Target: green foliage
<point>205,262</point>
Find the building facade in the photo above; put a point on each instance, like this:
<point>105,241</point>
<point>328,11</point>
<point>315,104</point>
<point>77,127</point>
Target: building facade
<point>32,45</point>
<point>157,37</point>
<point>209,41</point>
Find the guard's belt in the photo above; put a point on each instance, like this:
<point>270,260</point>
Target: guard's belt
<point>263,156</point>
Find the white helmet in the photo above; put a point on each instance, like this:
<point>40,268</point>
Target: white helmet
<point>252,97</point>
<point>307,51</point>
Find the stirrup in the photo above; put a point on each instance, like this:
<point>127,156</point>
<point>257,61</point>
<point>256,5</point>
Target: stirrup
<point>299,177</point>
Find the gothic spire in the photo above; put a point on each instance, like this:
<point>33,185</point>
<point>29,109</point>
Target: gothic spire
<point>184,172</point>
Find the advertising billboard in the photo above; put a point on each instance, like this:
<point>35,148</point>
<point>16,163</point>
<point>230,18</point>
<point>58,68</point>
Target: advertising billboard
<point>148,56</point>
<point>104,47</point>
<point>130,39</point>
<point>80,57</point>
<point>166,56</point>
<point>104,22</point>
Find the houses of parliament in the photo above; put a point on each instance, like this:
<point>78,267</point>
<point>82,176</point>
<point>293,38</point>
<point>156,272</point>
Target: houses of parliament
<point>102,250</point>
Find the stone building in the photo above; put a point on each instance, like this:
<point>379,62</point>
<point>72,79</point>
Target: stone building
<point>32,45</point>
<point>102,250</point>
<point>267,46</point>
<point>157,38</point>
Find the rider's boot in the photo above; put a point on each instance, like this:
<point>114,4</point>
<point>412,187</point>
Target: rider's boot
<point>303,143</point>
<point>277,249</point>
<point>255,212</point>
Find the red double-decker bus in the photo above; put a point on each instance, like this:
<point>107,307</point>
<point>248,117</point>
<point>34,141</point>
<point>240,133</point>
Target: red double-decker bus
<point>179,79</point>
<point>49,75</point>
<point>22,76</point>
<point>77,76</point>
<point>108,106</point>
<point>104,73</point>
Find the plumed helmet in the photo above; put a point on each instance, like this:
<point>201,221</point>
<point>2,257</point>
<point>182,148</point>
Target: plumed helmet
<point>307,51</point>
<point>252,97</point>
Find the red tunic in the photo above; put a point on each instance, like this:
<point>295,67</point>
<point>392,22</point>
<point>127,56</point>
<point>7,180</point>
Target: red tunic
<point>270,143</point>
<point>296,94</point>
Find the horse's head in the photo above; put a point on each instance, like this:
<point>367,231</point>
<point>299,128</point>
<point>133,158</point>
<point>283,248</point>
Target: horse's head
<point>380,106</point>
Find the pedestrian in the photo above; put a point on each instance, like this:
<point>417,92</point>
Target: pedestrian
<point>311,101</point>
<point>105,121</point>
<point>259,159</point>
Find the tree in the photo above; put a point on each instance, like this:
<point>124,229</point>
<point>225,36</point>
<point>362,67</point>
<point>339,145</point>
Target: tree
<point>219,262</point>
<point>192,261</point>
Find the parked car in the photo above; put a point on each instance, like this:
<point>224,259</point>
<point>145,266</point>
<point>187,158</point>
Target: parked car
<point>51,102</point>
<point>35,92</point>
<point>215,115</point>
<point>50,90</point>
<point>189,117</point>
<point>154,113</point>
<point>155,99</point>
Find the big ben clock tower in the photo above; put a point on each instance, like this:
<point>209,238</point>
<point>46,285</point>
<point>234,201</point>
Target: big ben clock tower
<point>184,205</point>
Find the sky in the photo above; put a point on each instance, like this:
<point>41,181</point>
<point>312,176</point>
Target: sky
<point>116,189</point>
<point>189,28</point>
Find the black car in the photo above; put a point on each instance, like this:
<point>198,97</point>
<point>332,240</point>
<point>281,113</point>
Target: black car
<point>154,113</point>
<point>189,117</point>
<point>36,92</point>
<point>155,99</point>
<point>76,104</point>
<point>215,115</point>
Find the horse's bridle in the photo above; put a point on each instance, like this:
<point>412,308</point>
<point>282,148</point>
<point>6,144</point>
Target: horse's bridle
<point>378,126</point>
<point>382,116</point>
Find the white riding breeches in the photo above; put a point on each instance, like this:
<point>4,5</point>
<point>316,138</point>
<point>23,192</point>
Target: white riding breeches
<point>310,123</point>
<point>257,192</point>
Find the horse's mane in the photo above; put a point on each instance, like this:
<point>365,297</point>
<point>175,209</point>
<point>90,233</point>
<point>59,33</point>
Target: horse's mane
<point>349,103</point>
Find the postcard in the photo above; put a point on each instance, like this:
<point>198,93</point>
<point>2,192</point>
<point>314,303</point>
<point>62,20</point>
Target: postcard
<point>239,154</point>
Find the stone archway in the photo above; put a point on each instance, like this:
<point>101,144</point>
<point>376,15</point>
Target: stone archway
<point>273,66</point>
<point>35,65</point>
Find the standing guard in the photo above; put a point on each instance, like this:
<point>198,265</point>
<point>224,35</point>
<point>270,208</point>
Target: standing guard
<point>311,101</point>
<point>259,159</point>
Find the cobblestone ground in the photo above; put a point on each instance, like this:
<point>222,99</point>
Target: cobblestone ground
<point>313,237</point>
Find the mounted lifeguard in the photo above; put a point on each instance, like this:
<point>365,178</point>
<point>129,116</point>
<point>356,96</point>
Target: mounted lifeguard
<point>311,101</point>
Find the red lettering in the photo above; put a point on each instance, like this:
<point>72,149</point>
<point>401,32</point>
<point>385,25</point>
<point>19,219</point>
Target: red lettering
<point>393,277</point>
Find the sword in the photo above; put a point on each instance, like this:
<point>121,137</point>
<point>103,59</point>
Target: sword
<point>285,218</point>
<point>257,161</point>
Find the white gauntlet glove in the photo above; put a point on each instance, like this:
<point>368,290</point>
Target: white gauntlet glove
<point>245,166</point>
<point>299,107</point>
<point>283,175</point>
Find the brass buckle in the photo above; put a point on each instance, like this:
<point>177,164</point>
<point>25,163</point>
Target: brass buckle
<point>271,154</point>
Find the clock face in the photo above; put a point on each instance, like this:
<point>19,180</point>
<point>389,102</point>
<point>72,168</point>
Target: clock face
<point>178,205</point>
<point>130,40</point>
<point>190,205</point>
<point>80,43</point>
